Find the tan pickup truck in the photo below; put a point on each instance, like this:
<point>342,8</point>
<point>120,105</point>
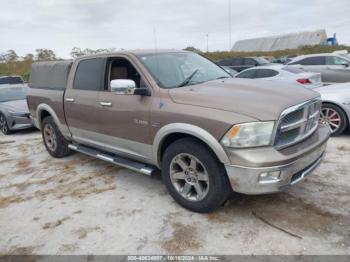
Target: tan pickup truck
<point>209,134</point>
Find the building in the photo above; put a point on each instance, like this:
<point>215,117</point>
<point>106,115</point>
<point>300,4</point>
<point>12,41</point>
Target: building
<point>281,42</point>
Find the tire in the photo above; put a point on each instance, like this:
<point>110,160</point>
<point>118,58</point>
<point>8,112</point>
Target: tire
<point>55,143</point>
<point>335,117</point>
<point>5,129</point>
<point>179,177</point>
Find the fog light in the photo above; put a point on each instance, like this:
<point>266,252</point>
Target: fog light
<point>269,177</point>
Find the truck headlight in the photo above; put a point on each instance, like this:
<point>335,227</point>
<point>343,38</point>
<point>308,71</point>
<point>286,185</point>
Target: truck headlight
<point>249,135</point>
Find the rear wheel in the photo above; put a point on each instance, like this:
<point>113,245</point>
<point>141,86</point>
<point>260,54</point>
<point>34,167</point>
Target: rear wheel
<point>3,125</point>
<point>55,143</point>
<point>335,117</point>
<point>194,177</point>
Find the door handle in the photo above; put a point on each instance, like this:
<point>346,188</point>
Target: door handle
<point>70,99</point>
<point>106,104</point>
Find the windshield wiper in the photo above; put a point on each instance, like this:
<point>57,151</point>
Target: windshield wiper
<point>188,79</point>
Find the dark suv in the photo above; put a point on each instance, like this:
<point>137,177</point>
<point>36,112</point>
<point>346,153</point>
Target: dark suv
<point>242,63</point>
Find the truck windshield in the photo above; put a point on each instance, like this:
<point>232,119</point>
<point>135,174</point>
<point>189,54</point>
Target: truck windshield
<point>178,69</point>
<point>13,93</point>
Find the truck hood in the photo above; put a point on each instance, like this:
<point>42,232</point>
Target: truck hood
<point>254,98</point>
<point>18,106</point>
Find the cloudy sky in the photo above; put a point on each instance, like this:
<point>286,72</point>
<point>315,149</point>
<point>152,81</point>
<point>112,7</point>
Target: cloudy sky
<point>132,24</point>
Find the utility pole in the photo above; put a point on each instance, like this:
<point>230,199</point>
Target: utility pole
<point>207,35</point>
<point>229,25</point>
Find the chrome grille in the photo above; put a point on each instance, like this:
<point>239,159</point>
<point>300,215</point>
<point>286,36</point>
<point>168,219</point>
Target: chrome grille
<point>297,123</point>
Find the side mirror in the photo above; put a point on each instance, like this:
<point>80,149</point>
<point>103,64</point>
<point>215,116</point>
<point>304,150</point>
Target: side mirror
<point>123,86</point>
<point>345,64</point>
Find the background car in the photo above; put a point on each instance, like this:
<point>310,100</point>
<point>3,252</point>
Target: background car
<point>333,67</point>
<point>229,70</point>
<point>284,74</point>
<point>14,113</point>
<point>335,107</point>
<point>241,63</point>
<point>5,81</point>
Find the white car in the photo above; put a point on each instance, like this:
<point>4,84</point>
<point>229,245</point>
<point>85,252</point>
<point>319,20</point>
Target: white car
<point>284,74</point>
<point>335,107</point>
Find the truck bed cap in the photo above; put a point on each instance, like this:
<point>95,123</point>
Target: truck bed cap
<point>50,74</point>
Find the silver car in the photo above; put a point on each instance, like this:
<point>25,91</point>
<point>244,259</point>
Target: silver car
<point>14,113</point>
<point>335,107</point>
<point>333,67</point>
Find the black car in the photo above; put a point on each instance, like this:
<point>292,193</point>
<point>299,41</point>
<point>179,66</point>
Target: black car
<point>242,63</point>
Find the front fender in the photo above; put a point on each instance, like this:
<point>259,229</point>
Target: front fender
<point>192,130</point>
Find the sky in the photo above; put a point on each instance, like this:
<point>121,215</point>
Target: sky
<point>61,25</point>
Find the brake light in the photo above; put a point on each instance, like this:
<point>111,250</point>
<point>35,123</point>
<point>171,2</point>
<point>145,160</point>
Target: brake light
<point>304,81</point>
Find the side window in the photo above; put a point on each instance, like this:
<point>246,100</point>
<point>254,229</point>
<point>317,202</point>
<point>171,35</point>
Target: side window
<point>247,74</point>
<point>335,60</point>
<point>262,73</point>
<point>249,61</point>
<point>121,68</point>
<point>316,60</point>
<point>90,74</point>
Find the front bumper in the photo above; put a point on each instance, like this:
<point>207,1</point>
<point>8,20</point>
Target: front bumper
<point>19,121</point>
<point>293,165</point>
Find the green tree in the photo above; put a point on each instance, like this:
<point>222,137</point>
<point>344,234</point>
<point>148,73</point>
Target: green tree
<point>28,57</point>
<point>192,49</point>
<point>43,54</point>
<point>10,56</point>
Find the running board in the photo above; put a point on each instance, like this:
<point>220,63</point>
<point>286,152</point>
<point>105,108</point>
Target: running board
<point>120,161</point>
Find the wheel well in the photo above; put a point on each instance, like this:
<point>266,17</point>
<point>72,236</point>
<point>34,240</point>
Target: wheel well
<point>43,114</point>
<point>171,138</point>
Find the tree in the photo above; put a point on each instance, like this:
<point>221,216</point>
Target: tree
<point>192,49</point>
<point>28,57</point>
<point>10,56</point>
<point>45,54</point>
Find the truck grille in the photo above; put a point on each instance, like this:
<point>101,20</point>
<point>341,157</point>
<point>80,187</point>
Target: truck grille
<point>297,123</point>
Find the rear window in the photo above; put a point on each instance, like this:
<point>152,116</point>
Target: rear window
<point>293,70</point>
<point>263,73</point>
<point>90,74</point>
<point>247,74</point>
<point>11,80</point>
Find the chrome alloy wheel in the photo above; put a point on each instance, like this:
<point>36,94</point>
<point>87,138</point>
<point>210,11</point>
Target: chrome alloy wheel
<point>50,137</point>
<point>189,177</point>
<point>331,117</point>
<point>3,124</point>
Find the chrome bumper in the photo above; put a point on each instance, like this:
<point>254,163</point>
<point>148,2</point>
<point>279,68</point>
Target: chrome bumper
<point>247,180</point>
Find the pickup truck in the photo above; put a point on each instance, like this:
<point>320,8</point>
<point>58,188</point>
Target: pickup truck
<point>175,111</point>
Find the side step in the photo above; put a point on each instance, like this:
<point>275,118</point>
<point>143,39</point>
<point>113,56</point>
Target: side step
<point>120,161</point>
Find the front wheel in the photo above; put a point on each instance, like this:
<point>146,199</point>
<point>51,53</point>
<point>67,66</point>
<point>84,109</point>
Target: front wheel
<point>194,177</point>
<point>3,125</point>
<point>335,117</point>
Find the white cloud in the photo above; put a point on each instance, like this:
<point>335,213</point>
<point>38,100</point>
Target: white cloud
<point>129,24</point>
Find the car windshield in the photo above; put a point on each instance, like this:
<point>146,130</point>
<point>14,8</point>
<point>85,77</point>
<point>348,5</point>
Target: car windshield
<point>178,69</point>
<point>13,93</point>
<point>261,60</point>
<point>11,80</point>
<point>346,56</point>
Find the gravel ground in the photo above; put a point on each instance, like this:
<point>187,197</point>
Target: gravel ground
<point>80,205</point>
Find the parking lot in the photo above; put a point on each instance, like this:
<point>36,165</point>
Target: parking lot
<point>80,205</point>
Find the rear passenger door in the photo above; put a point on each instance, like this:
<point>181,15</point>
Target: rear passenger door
<point>81,100</point>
